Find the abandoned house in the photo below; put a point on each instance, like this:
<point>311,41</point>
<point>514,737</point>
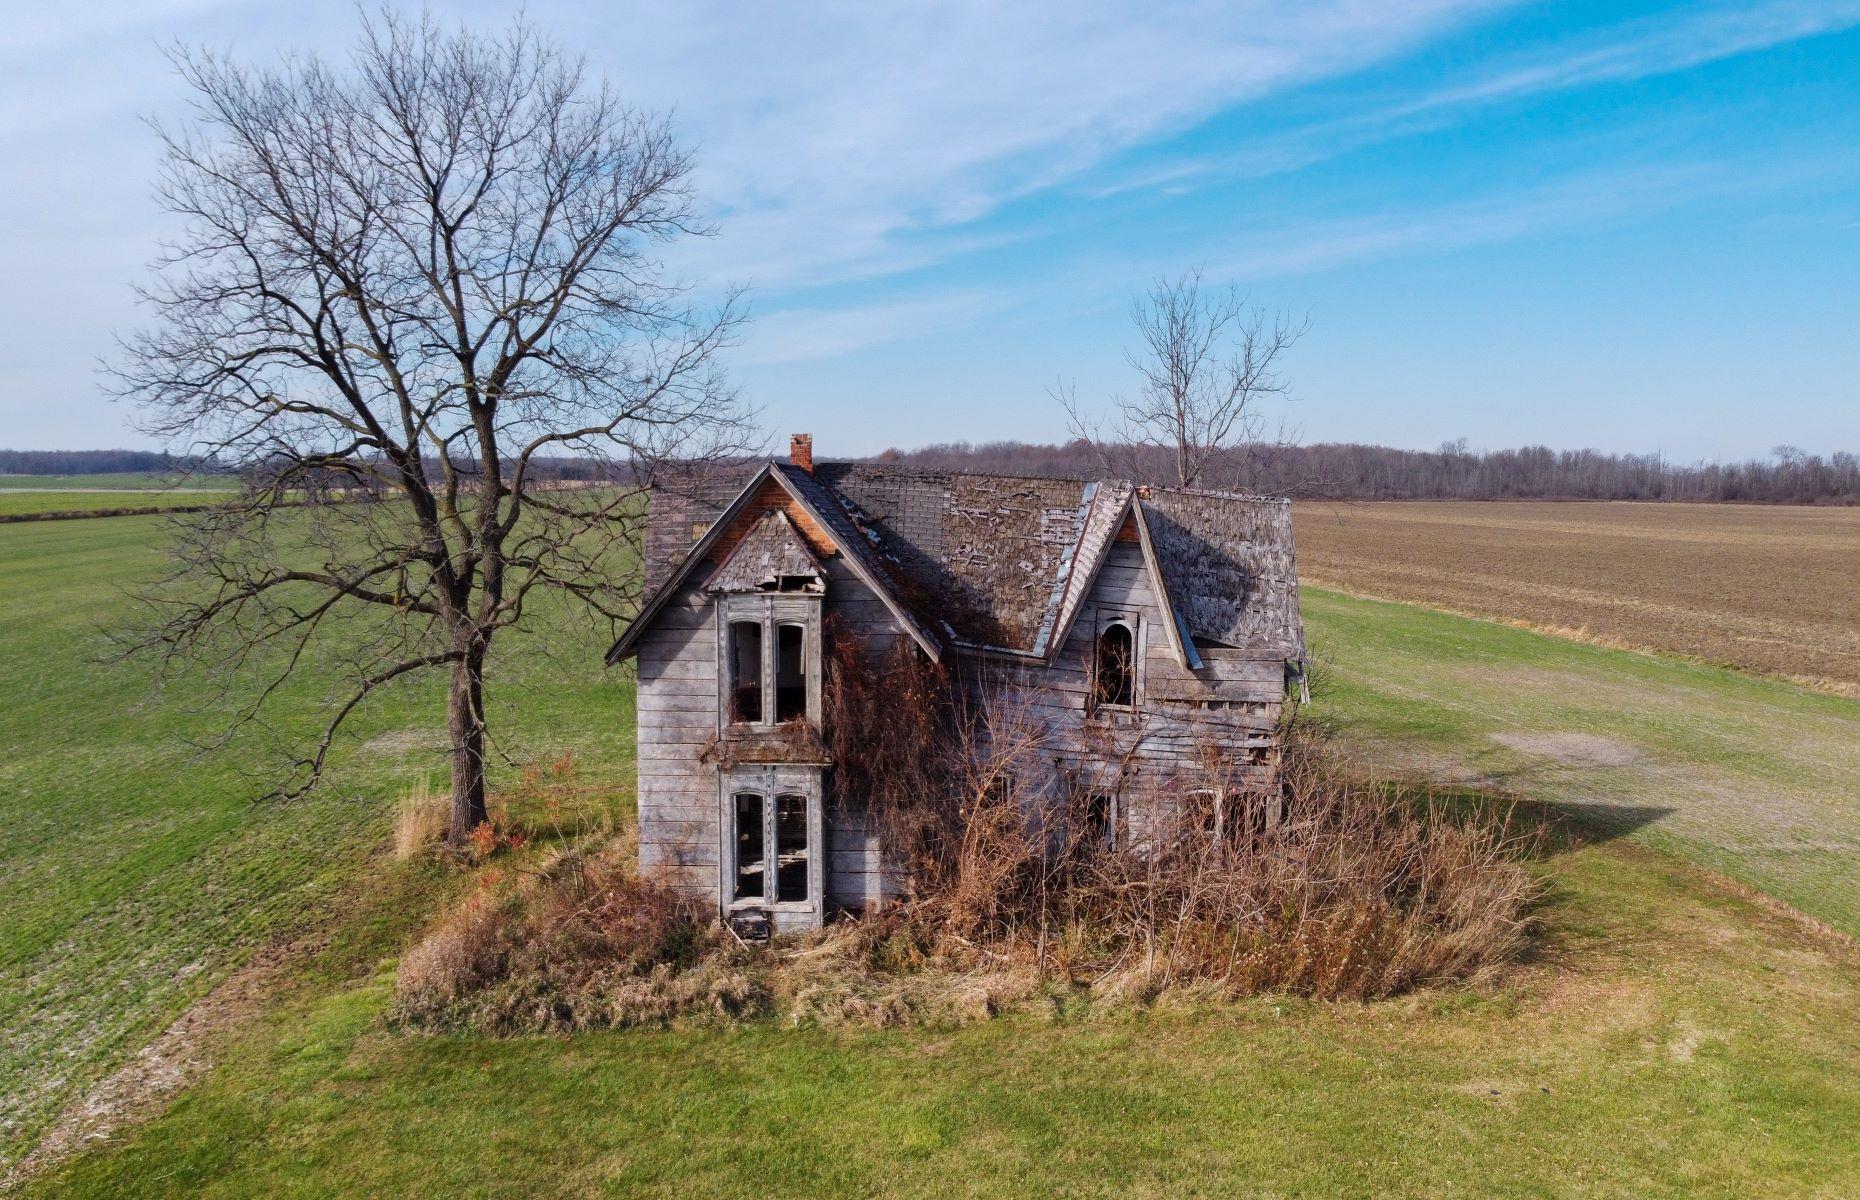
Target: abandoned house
<point>1167,616</point>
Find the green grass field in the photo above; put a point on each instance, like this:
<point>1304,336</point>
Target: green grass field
<point>1671,1038</point>
<point>23,494</point>
<point>19,502</point>
<point>1751,777</point>
<point>134,873</point>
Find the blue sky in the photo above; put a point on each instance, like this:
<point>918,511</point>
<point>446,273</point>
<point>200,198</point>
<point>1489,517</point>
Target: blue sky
<point>1635,227</point>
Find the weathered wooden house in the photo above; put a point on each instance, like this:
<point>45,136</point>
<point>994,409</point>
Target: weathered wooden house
<point>1165,618</point>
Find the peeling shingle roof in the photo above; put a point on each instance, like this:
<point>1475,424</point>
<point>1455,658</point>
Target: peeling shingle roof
<point>1004,563</point>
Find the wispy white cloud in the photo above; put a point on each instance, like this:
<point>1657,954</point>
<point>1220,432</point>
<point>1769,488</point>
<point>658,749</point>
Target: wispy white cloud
<point>803,334</point>
<point>846,141</point>
<point>1586,203</point>
<point>1645,48</point>
<point>1679,41</point>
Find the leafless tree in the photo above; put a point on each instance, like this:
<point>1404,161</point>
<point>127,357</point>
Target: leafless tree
<point>1209,365</point>
<point>400,285</point>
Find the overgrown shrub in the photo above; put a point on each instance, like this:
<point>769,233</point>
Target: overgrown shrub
<point>1322,885</point>
<point>583,943</point>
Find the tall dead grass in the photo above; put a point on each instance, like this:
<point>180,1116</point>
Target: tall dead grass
<point>580,943</point>
<point>1330,887</point>
<point>420,818</point>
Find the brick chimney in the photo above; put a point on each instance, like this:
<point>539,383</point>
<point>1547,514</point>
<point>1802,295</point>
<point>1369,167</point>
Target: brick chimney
<point>801,451</point>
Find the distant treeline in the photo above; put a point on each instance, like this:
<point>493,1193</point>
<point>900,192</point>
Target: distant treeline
<point>96,462</point>
<point>1333,470</point>
<point>1350,471</point>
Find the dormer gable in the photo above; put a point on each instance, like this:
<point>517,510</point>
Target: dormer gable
<point>771,557</point>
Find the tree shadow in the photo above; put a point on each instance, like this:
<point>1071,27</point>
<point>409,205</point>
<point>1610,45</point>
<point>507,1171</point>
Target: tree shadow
<point>1556,827</point>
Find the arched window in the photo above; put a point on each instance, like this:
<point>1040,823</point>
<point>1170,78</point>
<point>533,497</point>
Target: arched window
<point>1114,674</point>
<point>745,670</point>
<point>751,859</point>
<point>790,672</point>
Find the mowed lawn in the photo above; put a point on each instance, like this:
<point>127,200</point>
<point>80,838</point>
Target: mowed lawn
<point>1749,776</point>
<point>135,873</point>
<point>1669,1039</point>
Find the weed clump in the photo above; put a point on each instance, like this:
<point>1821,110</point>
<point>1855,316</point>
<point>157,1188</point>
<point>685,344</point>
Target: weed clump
<point>420,819</point>
<point>581,943</point>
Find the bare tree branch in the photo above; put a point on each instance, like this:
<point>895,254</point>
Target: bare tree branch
<point>400,284</point>
<point>1209,365</point>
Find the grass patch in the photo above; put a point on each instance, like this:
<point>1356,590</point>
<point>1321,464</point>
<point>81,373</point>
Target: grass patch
<point>22,503</point>
<point>1751,777</point>
<point>135,876</point>
<point>1675,1041</point>
<point>135,481</point>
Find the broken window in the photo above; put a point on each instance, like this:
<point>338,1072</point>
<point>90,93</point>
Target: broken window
<point>745,670</point>
<point>1101,817</point>
<point>751,868</point>
<point>1207,811</point>
<point>1114,672</point>
<point>790,672</point>
<point>791,848</point>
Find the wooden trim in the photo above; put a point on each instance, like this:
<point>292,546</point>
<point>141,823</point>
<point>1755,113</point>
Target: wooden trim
<point>1180,640</point>
<point>815,526</point>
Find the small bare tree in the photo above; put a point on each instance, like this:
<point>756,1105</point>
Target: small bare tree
<point>400,290</point>
<point>1209,364</point>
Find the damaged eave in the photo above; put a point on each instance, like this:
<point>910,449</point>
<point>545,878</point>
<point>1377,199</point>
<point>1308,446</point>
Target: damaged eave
<point>1089,553</point>
<point>674,579</point>
<point>854,558</point>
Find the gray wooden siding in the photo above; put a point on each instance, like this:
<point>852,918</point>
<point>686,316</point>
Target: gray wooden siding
<point>1233,700</point>
<point>679,830</point>
<point>677,665</point>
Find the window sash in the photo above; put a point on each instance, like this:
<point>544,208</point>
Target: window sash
<point>770,616</point>
<point>1102,694</point>
<point>775,851</point>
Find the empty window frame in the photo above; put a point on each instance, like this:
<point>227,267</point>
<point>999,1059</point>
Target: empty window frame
<point>746,671</point>
<point>1207,811</point>
<point>790,672</point>
<point>1101,817</point>
<point>792,849</point>
<point>751,856</point>
<point>1114,665</point>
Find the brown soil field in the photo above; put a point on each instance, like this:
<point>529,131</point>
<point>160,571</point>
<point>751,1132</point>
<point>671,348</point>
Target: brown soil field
<point>1768,589</point>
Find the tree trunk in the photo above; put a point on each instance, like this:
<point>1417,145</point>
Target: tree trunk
<point>465,724</point>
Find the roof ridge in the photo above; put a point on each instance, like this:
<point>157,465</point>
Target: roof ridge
<point>1048,477</point>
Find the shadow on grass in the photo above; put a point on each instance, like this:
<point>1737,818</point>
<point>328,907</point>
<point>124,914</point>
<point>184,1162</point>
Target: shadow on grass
<point>1560,826</point>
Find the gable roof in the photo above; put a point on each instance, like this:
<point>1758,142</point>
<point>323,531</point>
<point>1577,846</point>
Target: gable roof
<point>688,503</point>
<point>1003,564</point>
